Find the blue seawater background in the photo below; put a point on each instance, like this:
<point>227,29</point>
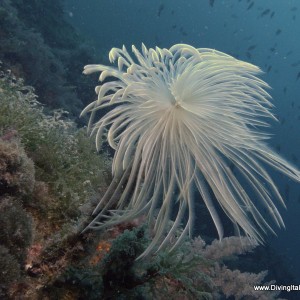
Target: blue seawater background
<point>265,33</point>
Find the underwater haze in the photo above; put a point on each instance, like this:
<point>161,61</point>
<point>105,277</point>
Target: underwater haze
<point>190,188</point>
<point>265,33</point>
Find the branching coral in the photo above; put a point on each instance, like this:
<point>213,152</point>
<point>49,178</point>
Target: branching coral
<point>179,119</point>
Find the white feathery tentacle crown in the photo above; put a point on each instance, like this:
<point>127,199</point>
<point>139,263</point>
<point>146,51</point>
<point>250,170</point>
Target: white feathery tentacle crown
<point>179,118</point>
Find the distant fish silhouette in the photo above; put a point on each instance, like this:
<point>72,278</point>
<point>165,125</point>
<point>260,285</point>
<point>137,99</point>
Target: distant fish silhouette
<point>182,31</point>
<point>252,47</point>
<point>272,14</point>
<point>248,38</point>
<point>295,64</point>
<point>284,90</point>
<point>250,5</point>
<point>298,76</point>
<point>278,31</point>
<point>287,192</point>
<point>211,3</point>
<point>265,12</point>
<point>160,9</point>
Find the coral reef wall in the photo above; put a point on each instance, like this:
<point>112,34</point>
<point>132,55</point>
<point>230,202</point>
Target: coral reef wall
<point>37,44</point>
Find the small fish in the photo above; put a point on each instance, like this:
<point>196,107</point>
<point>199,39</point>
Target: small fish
<point>182,31</point>
<point>250,5</point>
<point>272,14</point>
<point>269,69</point>
<point>211,3</point>
<point>294,8</point>
<point>272,49</point>
<point>248,38</point>
<point>160,9</point>
<point>295,64</point>
<point>252,47</point>
<point>298,76</point>
<point>157,40</point>
<point>287,192</point>
<point>284,90</point>
<point>265,12</point>
<point>278,31</point>
<point>174,26</point>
